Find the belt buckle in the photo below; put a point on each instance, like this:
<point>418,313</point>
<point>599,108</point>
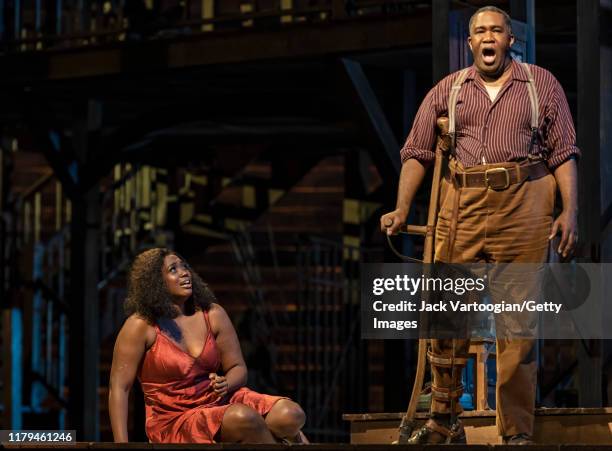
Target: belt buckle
<point>497,170</point>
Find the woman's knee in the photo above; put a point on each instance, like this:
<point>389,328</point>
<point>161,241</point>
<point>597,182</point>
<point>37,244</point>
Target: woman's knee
<point>286,418</point>
<point>242,420</point>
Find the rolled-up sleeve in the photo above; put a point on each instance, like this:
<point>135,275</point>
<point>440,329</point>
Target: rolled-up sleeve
<point>560,133</point>
<point>421,139</point>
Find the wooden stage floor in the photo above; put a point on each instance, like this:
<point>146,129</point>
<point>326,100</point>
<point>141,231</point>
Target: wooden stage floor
<point>313,447</point>
<point>586,429</point>
<point>588,426</point>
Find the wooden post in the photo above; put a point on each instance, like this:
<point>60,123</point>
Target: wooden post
<point>3,227</point>
<point>84,317</point>
<point>588,135</point>
<point>84,274</point>
<point>606,160</point>
<point>338,9</point>
<point>440,10</point>
<point>524,11</point>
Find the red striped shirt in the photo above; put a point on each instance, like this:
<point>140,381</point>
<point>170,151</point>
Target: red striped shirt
<point>498,131</point>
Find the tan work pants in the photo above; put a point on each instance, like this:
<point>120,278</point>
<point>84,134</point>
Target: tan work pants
<point>506,226</point>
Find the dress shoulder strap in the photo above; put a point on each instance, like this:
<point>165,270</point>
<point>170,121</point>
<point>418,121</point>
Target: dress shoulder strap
<point>206,319</point>
<point>452,104</point>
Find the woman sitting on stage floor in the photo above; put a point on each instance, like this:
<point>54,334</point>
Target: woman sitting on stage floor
<point>175,340</point>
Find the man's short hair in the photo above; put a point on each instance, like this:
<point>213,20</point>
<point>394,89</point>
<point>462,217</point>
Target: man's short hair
<point>493,9</point>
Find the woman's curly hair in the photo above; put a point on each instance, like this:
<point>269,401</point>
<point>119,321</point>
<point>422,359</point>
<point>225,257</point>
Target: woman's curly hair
<point>147,293</point>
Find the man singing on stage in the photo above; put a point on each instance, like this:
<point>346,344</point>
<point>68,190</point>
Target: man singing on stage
<point>514,145</point>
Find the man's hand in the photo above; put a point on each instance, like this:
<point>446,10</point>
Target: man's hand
<point>567,224</point>
<point>391,223</point>
<point>219,384</point>
<point>566,176</point>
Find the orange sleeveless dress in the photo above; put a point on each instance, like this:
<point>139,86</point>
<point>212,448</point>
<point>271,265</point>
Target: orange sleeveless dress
<point>180,404</point>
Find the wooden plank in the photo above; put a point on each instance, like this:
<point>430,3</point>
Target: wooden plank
<point>593,429</point>
<point>383,416</point>
<point>367,34</point>
<point>482,384</point>
<point>275,447</point>
<point>581,425</point>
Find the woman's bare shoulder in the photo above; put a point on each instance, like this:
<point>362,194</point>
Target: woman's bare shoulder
<point>215,308</point>
<point>136,327</point>
<point>218,317</point>
<point>137,322</point>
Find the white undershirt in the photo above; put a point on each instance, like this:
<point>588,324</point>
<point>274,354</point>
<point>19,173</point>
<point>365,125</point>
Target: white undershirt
<point>492,90</point>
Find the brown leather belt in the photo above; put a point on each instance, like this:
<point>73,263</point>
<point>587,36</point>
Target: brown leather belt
<point>500,178</point>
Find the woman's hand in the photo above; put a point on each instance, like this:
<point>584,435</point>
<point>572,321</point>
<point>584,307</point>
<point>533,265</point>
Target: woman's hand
<point>219,384</point>
<point>232,362</point>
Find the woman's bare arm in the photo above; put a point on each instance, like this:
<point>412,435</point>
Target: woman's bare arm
<point>129,350</point>
<point>232,361</point>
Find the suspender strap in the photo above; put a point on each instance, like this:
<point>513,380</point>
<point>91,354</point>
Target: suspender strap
<point>452,105</point>
<point>535,107</point>
<point>533,98</point>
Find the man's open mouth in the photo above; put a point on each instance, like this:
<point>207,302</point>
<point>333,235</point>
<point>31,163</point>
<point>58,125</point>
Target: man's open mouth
<point>488,55</point>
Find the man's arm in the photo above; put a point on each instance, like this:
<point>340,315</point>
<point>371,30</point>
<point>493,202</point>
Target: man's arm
<point>411,177</point>
<point>417,154</point>
<point>561,139</point>
<point>567,223</point>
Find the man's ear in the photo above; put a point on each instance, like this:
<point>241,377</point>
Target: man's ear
<point>511,40</point>
<point>469,39</point>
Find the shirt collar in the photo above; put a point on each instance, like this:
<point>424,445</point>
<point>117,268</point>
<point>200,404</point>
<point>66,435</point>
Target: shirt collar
<point>518,72</point>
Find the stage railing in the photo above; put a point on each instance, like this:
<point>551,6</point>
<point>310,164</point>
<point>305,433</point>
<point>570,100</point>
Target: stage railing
<point>333,360</point>
<point>39,238</point>
<point>34,25</point>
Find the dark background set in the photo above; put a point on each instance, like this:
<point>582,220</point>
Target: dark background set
<point>260,139</point>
